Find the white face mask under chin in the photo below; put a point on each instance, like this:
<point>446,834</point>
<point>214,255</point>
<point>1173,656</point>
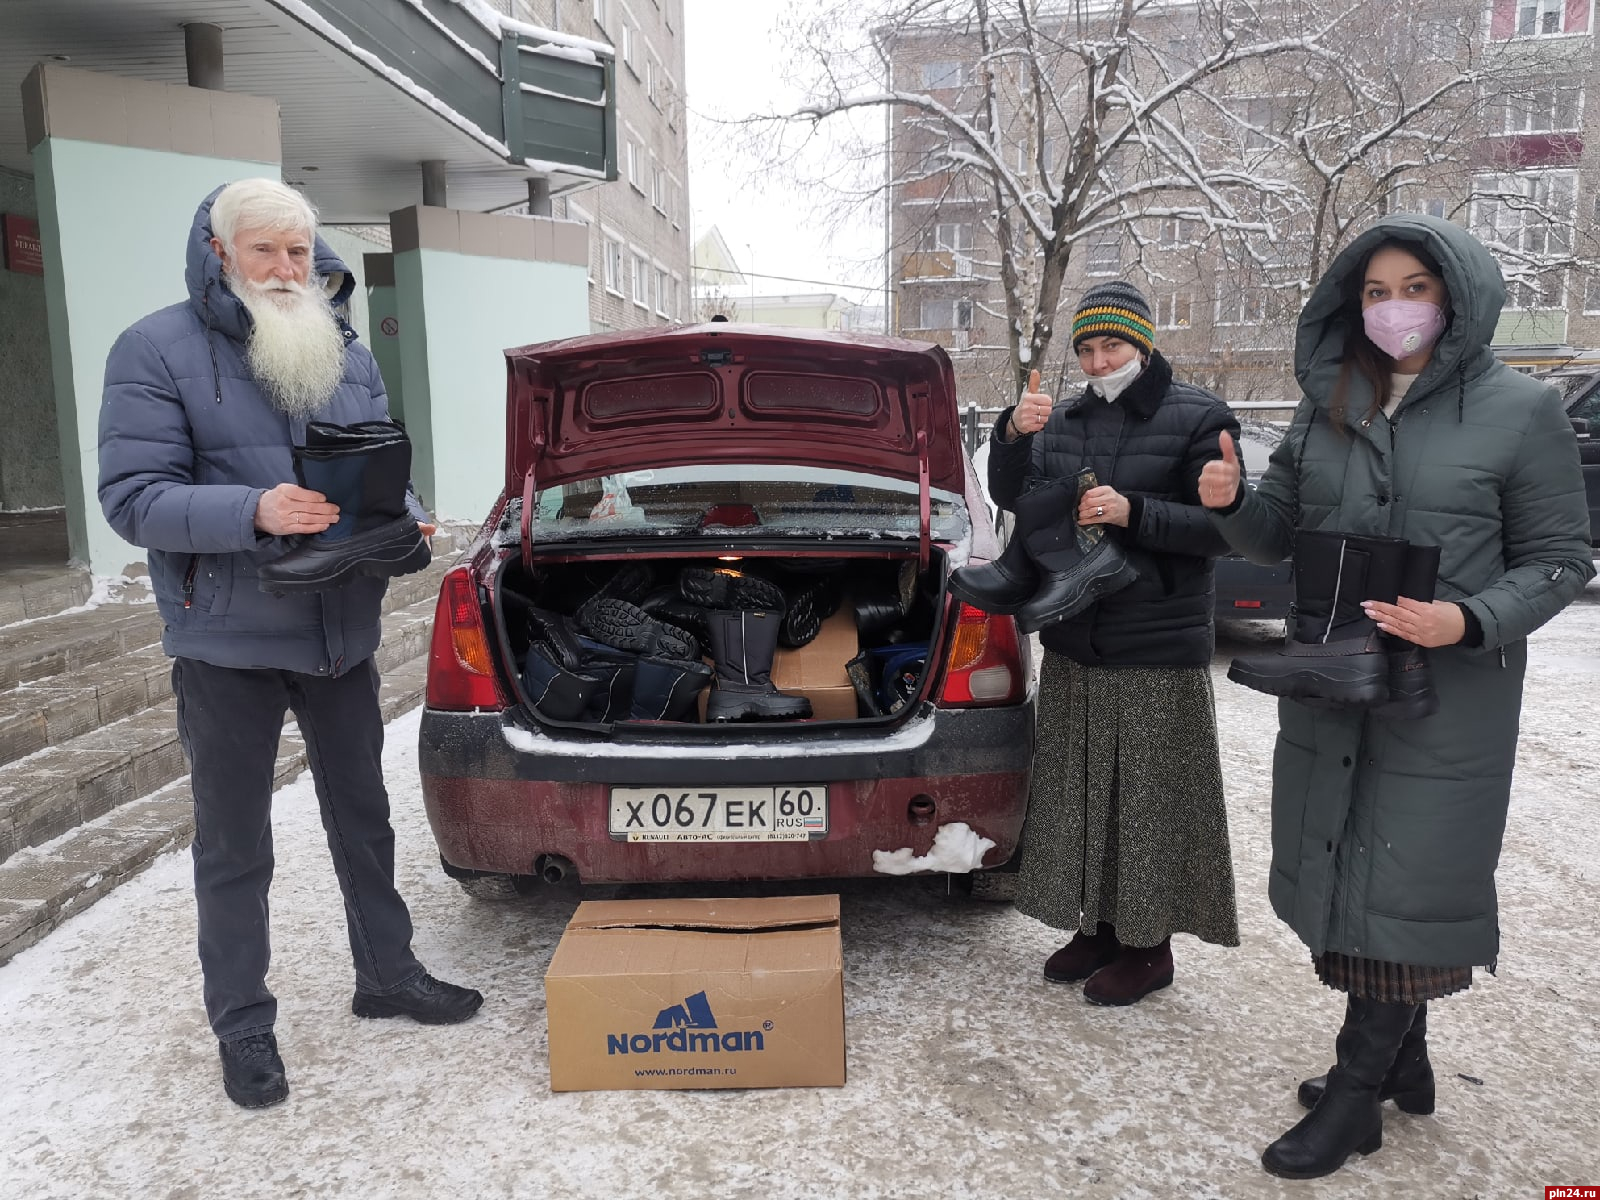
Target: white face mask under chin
<point>1113,384</point>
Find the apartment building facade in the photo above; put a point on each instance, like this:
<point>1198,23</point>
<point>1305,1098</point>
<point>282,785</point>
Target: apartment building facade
<point>1514,163</point>
<point>639,255</point>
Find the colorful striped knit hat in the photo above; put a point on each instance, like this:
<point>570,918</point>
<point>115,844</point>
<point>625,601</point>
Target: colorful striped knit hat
<point>1115,309</point>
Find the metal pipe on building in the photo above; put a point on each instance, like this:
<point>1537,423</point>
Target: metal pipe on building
<point>435,193</point>
<point>539,197</point>
<point>202,55</point>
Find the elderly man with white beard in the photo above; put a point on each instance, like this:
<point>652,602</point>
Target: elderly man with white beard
<point>204,403</point>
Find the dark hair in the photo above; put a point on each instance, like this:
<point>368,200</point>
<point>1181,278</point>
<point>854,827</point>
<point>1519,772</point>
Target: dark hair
<point>1361,354</point>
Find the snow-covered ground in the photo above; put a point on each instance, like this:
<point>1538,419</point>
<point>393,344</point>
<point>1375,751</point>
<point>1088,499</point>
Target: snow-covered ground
<point>968,1075</point>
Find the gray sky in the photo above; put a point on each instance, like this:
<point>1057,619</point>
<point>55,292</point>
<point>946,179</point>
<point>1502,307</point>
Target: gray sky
<point>735,69</point>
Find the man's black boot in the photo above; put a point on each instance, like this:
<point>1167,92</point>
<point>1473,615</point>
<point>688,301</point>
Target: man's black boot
<point>365,469</point>
<point>1002,586</point>
<point>742,646</point>
<point>252,1071</point>
<point>1409,1082</point>
<point>1348,1119</point>
<point>425,999</point>
<point>1334,652</point>
<point>1077,564</point>
<point>1411,693</point>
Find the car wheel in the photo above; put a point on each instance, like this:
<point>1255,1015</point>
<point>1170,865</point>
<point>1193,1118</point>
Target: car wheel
<point>490,887</point>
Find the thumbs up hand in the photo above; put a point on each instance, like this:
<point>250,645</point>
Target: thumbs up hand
<point>1033,410</point>
<point>1219,478</point>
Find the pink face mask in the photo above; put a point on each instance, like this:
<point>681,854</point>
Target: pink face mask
<point>1401,328</point>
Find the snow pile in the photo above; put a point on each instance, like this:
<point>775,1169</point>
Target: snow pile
<point>957,848</point>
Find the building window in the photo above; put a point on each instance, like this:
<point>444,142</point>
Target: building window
<point>658,186</point>
<point>1529,220</point>
<point>629,37</point>
<point>641,280</point>
<point>602,13</point>
<point>675,210</point>
<point>946,314</point>
<point>651,73</point>
<point>661,292</point>
<point>635,153</point>
<point>1557,108</point>
<point>1174,310</point>
<point>942,76</point>
<point>614,268</point>
<point>1242,306</point>
<point>1103,255</point>
<point>1540,18</point>
<point>949,235</point>
<point>1257,113</point>
<point>1175,231</point>
<point>1591,294</point>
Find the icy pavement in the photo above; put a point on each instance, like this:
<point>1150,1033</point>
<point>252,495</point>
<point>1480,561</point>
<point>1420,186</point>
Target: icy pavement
<point>969,1076</point>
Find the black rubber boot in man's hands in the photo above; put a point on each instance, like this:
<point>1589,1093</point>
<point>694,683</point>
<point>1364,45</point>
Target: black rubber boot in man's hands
<point>1077,564</point>
<point>365,469</point>
<point>743,643</point>
<point>1334,652</point>
<point>1411,693</point>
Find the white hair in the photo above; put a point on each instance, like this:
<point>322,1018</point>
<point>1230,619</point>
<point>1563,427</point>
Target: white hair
<point>263,205</point>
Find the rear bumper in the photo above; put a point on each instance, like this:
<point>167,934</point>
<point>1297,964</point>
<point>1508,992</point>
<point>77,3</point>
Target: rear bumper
<point>499,797</point>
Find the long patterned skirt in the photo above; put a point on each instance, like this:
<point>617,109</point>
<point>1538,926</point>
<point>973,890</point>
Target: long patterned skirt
<point>1126,821</point>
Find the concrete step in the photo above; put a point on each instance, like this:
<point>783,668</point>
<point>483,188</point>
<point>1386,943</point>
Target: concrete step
<point>81,676</point>
<point>61,787</point>
<point>41,886</point>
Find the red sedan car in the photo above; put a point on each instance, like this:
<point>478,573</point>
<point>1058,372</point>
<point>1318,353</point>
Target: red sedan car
<point>704,633</point>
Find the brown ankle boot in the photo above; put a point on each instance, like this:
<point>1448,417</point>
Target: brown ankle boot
<point>1085,954</point>
<point>1137,972</point>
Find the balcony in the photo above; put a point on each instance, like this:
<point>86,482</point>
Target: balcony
<point>366,89</point>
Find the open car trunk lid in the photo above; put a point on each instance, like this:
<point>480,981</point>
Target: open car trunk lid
<point>720,394</point>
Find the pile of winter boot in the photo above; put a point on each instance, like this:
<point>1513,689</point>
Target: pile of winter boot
<point>1052,568</point>
<point>365,469</point>
<point>1335,656</point>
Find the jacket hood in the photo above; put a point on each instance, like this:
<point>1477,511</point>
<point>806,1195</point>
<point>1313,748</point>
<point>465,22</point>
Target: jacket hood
<point>216,303</point>
<point>1471,276</point>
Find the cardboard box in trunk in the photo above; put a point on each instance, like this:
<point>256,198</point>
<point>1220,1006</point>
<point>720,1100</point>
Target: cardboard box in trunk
<point>698,994</point>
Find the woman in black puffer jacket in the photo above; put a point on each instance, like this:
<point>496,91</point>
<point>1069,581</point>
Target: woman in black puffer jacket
<point>1127,835</point>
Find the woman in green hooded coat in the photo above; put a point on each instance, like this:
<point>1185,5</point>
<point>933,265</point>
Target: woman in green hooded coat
<point>1386,831</point>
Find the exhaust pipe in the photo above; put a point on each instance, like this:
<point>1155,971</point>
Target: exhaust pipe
<point>555,868</point>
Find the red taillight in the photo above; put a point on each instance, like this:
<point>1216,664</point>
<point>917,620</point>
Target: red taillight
<point>1247,604</point>
<point>984,665</point>
<point>460,667</point>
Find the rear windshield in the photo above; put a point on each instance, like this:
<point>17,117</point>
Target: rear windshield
<point>735,500</point>
<point>1572,384</point>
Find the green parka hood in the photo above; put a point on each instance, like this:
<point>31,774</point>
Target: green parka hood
<point>1471,277</point>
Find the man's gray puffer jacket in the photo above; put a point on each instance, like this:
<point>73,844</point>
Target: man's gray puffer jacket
<point>188,444</point>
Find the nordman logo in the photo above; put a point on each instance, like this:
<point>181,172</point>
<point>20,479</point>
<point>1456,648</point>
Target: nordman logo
<point>689,1028</point>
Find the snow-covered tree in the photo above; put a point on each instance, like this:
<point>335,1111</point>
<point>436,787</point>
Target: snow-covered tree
<point>1233,144</point>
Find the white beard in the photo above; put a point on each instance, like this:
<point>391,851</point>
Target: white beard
<point>296,350</point>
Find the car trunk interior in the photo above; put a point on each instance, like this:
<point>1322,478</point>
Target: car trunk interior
<point>705,642</point>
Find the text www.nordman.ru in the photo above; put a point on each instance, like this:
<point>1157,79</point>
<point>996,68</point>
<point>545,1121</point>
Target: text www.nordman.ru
<point>647,1072</point>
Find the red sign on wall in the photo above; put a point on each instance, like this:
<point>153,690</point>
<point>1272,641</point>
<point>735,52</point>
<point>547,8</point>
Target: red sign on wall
<point>24,254</point>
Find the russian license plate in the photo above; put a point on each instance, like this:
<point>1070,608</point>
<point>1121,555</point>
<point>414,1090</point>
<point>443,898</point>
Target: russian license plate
<point>784,813</point>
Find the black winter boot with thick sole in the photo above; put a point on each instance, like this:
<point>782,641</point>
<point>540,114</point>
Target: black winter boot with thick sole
<point>1002,586</point>
<point>1334,652</point>
<point>665,689</point>
<point>1077,564</point>
<point>1409,1082</point>
<point>742,646</point>
<point>1348,1119</point>
<point>725,588</point>
<point>628,627</point>
<point>365,469</point>
<point>1411,693</point>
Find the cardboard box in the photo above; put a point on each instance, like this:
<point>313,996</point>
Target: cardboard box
<point>698,994</point>
<point>816,670</point>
